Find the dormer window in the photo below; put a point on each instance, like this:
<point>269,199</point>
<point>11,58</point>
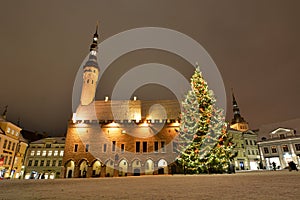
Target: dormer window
<point>282,136</point>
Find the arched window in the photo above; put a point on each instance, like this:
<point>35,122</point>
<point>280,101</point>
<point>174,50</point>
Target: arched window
<point>92,81</point>
<point>88,81</point>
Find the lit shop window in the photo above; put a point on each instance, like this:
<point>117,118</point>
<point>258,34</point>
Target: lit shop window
<point>12,132</point>
<point>61,153</point>
<point>38,153</point>
<point>55,153</point>
<point>8,130</point>
<point>44,153</point>
<point>32,153</point>
<point>49,153</point>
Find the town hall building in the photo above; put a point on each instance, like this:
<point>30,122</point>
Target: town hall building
<point>119,137</point>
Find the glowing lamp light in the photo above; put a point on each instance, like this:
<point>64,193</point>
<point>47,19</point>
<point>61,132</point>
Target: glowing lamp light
<point>113,124</point>
<point>74,118</point>
<point>106,99</point>
<point>95,38</point>
<point>134,98</point>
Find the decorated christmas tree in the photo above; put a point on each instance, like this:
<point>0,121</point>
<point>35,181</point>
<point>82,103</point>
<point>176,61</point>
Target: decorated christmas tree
<point>203,142</point>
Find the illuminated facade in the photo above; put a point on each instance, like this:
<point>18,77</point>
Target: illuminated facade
<point>12,149</point>
<point>245,141</point>
<point>119,137</point>
<point>282,147</point>
<point>44,158</point>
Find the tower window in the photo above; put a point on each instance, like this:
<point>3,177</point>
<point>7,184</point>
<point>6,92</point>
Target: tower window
<point>92,81</point>
<point>75,147</point>
<point>155,146</point>
<point>87,147</point>
<point>113,147</point>
<point>163,148</point>
<point>88,81</point>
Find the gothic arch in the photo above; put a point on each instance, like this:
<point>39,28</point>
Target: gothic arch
<point>109,168</point>
<point>123,167</point>
<point>69,167</point>
<point>149,166</point>
<point>162,166</point>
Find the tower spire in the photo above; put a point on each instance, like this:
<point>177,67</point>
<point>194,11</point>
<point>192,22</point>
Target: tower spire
<point>5,112</point>
<point>90,73</point>
<point>236,111</point>
<point>94,45</point>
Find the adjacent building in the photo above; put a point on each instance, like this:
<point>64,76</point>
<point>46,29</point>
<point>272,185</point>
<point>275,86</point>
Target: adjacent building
<point>245,141</point>
<point>44,158</point>
<point>12,149</point>
<point>280,143</point>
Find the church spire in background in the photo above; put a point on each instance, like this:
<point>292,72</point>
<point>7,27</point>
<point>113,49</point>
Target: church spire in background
<point>5,112</point>
<point>237,118</point>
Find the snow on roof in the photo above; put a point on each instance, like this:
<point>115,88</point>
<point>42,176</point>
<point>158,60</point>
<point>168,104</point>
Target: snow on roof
<point>266,129</point>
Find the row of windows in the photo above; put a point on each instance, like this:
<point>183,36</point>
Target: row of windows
<point>9,145</point>
<point>140,147</point>
<point>13,132</point>
<point>252,152</point>
<point>36,163</point>
<point>250,142</point>
<point>88,81</point>
<point>7,160</point>
<point>285,148</point>
<point>46,153</point>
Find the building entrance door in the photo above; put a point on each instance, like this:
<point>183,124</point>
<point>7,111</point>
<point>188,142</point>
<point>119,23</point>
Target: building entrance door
<point>242,165</point>
<point>161,171</point>
<point>136,172</point>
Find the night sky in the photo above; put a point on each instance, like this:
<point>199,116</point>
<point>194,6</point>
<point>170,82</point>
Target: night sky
<point>255,45</point>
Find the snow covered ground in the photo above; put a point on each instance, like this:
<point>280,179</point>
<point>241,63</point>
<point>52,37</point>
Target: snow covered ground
<point>249,185</point>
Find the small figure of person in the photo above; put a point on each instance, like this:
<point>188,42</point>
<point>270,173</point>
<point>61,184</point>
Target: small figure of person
<point>274,166</point>
<point>292,166</point>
